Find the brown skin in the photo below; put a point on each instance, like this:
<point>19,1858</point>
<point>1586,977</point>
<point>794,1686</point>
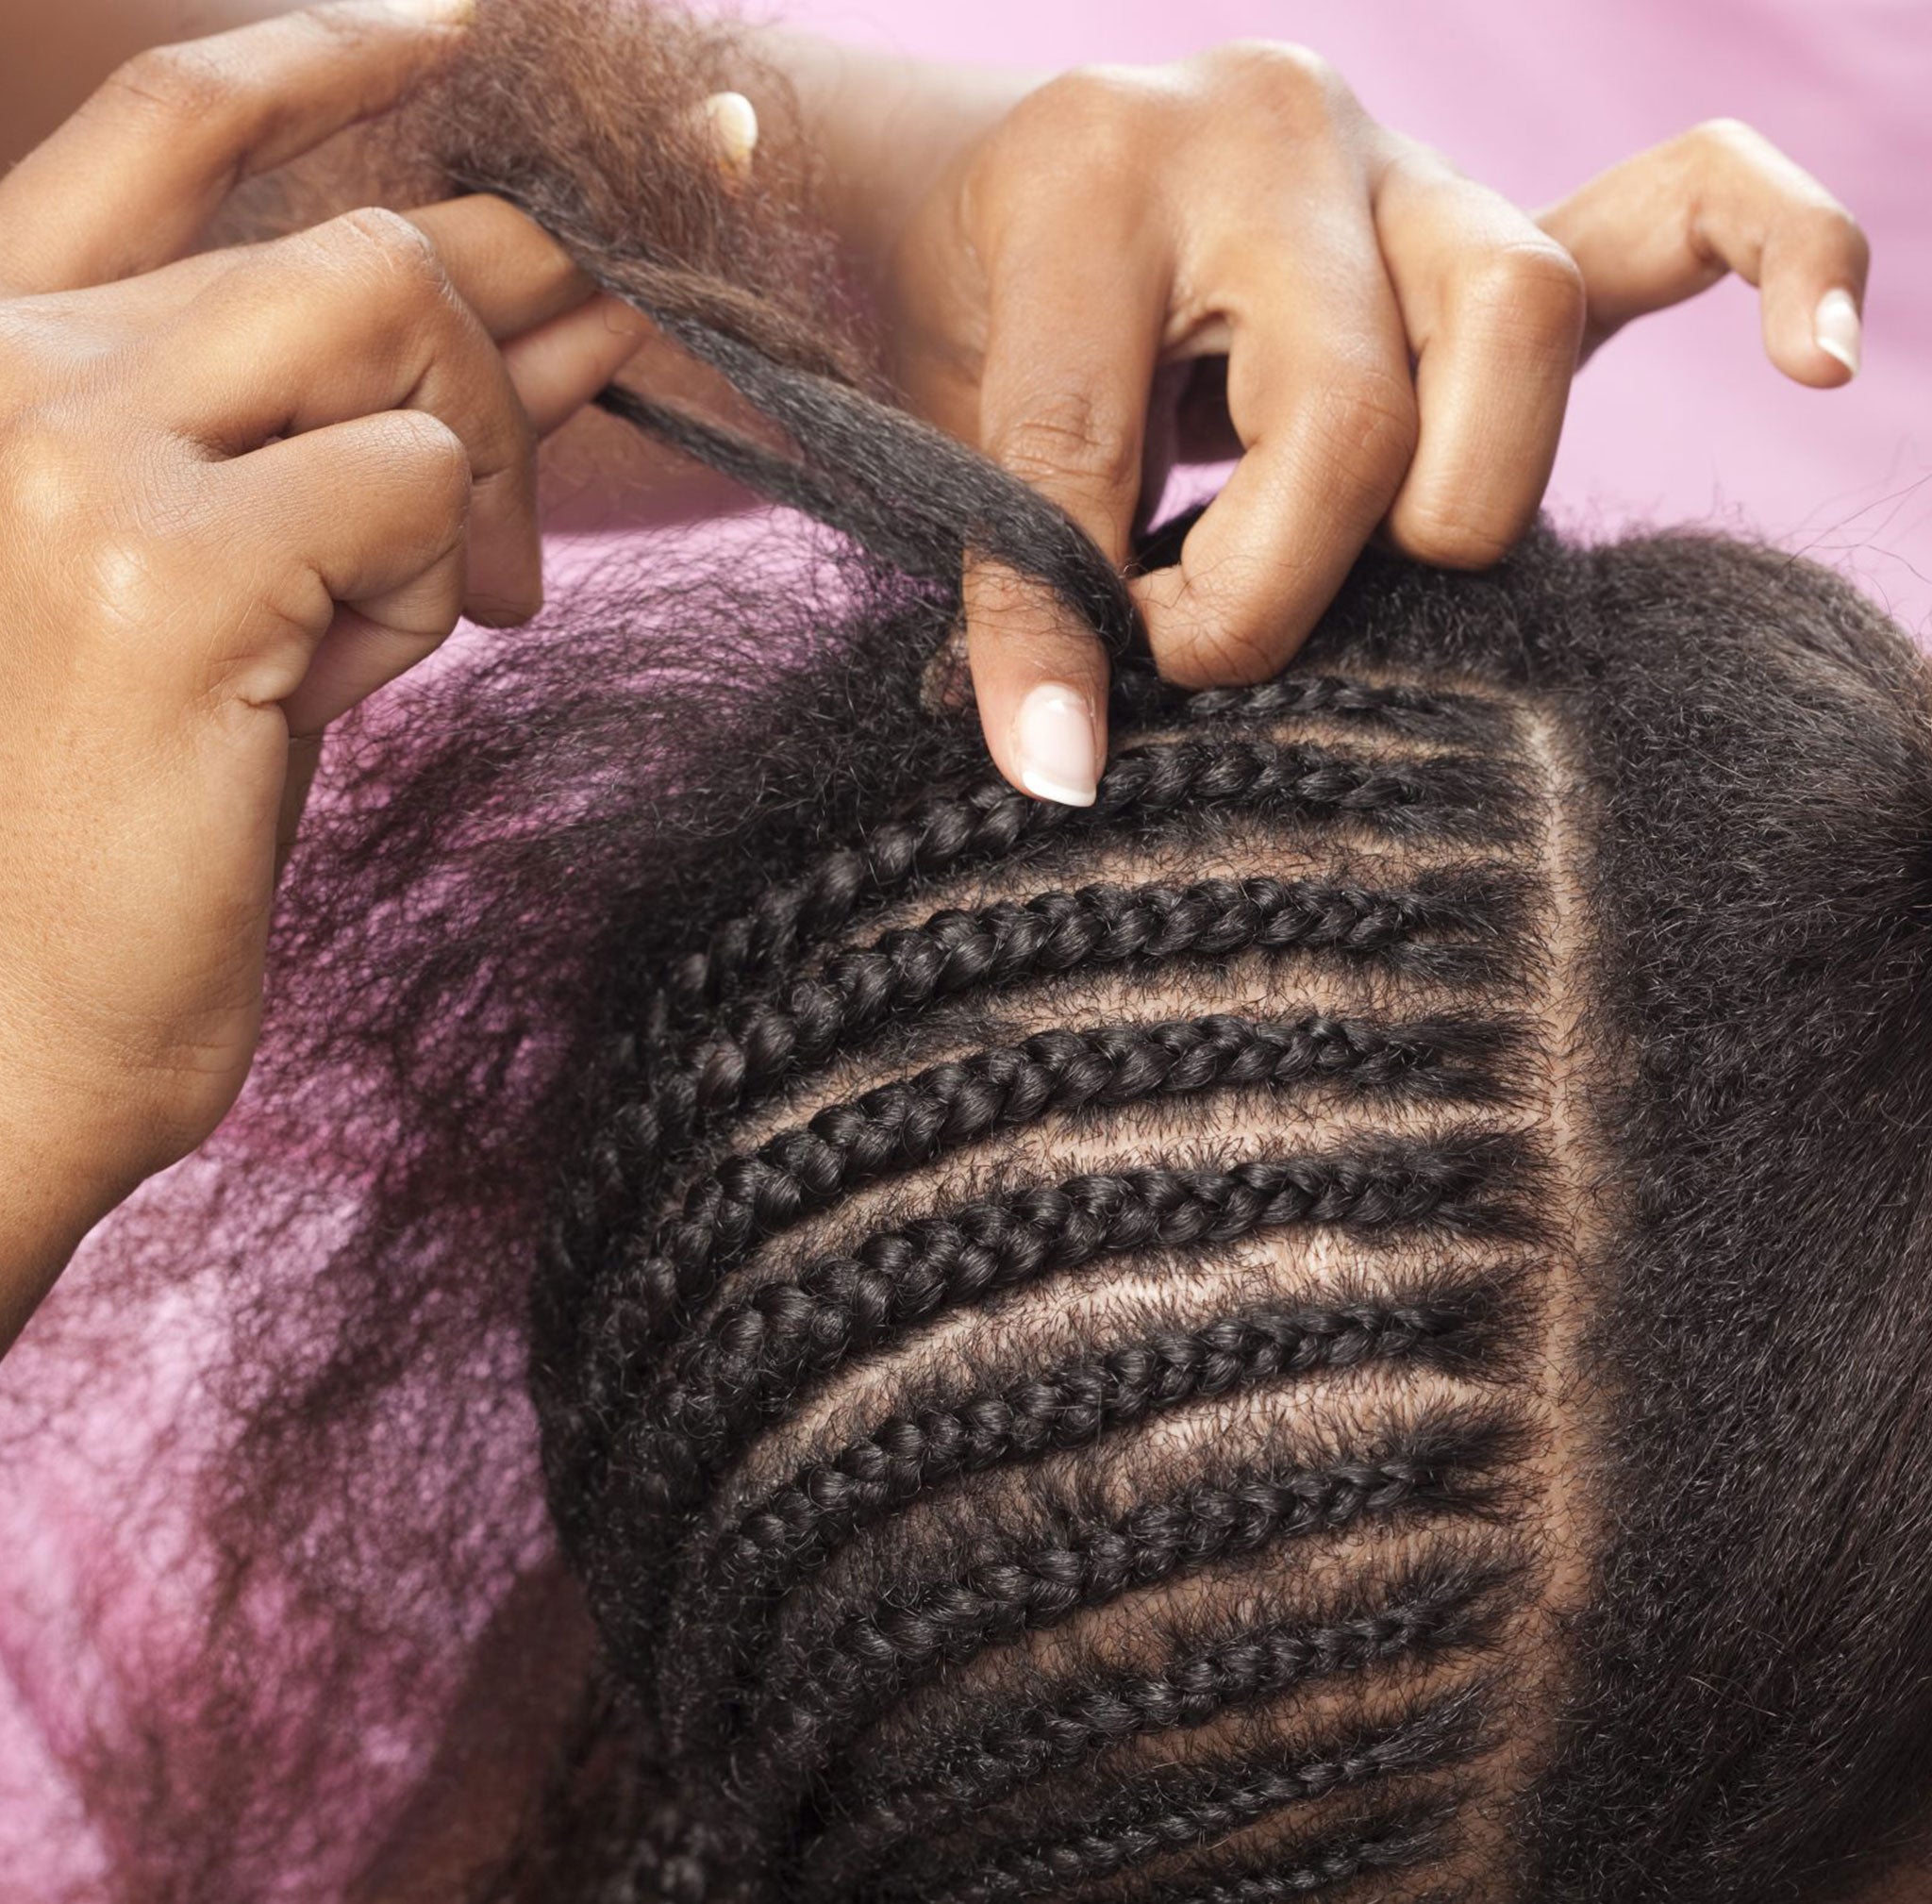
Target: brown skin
<point>1399,341</point>
<point>238,500</point>
<point>241,486</point>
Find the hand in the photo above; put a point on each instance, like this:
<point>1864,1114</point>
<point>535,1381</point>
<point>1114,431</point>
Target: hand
<point>1229,257</point>
<point>239,492</point>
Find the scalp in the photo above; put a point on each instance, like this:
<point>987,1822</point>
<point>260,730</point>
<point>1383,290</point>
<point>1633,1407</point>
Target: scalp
<point>1094,1406</point>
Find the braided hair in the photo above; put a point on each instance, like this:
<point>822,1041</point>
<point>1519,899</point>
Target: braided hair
<point>1198,1348</point>
<point>830,1482</point>
<point>1346,1323</point>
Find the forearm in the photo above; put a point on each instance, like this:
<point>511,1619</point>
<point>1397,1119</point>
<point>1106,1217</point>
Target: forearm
<point>883,126</point>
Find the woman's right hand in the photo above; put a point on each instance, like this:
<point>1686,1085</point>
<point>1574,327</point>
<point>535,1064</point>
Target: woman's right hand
<point>239,492</point>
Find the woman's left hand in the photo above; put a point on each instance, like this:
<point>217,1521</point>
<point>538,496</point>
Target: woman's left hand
<point>1227,258</point>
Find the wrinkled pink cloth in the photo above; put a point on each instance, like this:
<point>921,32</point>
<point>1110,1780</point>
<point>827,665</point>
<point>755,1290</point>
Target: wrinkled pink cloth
<point>1680,420</point>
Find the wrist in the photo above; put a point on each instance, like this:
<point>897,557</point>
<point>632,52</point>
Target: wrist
<point>883,129</point>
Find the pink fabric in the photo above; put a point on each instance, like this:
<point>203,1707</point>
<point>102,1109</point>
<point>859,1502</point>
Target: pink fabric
<point>1682,418</point>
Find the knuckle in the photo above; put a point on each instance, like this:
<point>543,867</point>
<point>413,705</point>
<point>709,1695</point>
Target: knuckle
<point>1288,71</point>
<point>1367,424</point>
<point>1717,146</point>
<point>1447,534</point>
<point>384,243</point>
<point>104,516</point>
<point>1722,135</point>
<point>125,575</point>
<point>1090,120</point>
<point>1074,438</point>
<point>1842,233</point>
<point>1291,88</point>
<point>50,477</point>
<point>1221,644</point>
<point>1534,287</point>
<point>429,449</point>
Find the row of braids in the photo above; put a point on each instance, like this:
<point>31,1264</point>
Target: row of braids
<point>1439,1606</point>
<point>1260,780</point>
<point>920,1482</point>
<point>949,836</point>
<point>1039,1284</point>
<point>1176,1811</point>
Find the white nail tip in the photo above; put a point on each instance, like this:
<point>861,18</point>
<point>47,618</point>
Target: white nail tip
<point>433,12</point>
<point>734,127</point>
<point>1053,747</point>
<point>1043,789</point>
<point>1837,332</point>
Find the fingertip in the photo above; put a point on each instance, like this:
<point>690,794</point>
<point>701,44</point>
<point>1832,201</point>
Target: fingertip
<point>1837,330</point>
<point>733,124</point>
<point>1821,344</point>
<point>1054,752</point>
<point>504,587</point>
<point>1198,643</point>
<point>501,611</point>
<point>1040,680</point>
<point>561,366</point>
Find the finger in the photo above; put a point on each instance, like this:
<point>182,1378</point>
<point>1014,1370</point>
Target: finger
<point>1662,226</point>
<point>354,317</point>
<point>505,266</point>
<point>1073,326</point>
<point>1040,680</point>
<point>1494,313</point>
<point>359,533</point>
<point>1319,392</point>
<point>559,367</point>
<point>132,179</point>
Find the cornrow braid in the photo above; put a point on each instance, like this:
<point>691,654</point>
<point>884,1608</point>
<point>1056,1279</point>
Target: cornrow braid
<point>793,1530</point>
<point>1429,1614</point>
<point>1339,1862</point>
<point>909,969</point>
<point>753,1357</point>
<point>1445,1464</point>
<point>1452,794</point>
<point>792,1526</point>
<point>1403,708</point>
<point>911,1121</point>
<point>1195,1809</point>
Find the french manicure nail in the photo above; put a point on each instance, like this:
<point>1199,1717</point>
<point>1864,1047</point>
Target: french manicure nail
<point>1837,328</point>
<point>435,12</point>
<point>1053,744</point>
<point>734,130</point>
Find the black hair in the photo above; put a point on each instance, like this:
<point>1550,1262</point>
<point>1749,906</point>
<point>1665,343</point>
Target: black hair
<point>1342,1323</point>
<point>1575,945</point>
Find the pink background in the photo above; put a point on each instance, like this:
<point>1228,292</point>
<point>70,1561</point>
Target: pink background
<point>1681,418</point>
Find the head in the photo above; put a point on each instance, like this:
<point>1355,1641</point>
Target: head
<point>1343,1323</point>
<point>1344,1320</point>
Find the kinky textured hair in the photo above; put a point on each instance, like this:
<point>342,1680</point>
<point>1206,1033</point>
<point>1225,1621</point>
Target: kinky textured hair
<point>1348,1322</point>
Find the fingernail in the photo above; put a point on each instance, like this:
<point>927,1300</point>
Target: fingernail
<point>1053,746</point>
<point>734,130</point>
<point>435,12</point>
<point>1837,328</point>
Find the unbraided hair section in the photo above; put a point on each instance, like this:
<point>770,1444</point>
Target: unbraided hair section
<point>963,1372</point>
